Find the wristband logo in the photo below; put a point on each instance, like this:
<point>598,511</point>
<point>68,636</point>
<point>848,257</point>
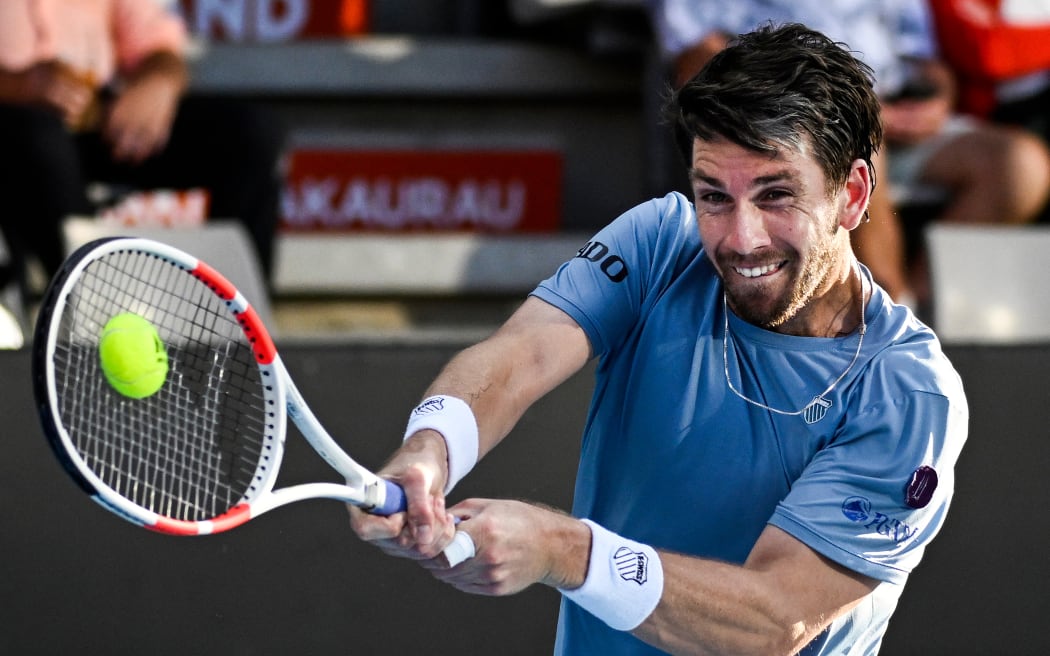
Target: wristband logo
<point>429,406</point>
<point>631,565</point>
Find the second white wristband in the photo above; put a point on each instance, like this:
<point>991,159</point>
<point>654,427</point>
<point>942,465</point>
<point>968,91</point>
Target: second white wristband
<point>625,580</point>
<point>454,420</point>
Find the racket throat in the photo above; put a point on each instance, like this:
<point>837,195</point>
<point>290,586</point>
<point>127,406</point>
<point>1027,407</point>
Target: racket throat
<point>374,495</point>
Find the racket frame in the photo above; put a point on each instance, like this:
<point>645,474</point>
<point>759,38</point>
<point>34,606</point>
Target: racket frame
<point>363,488</point>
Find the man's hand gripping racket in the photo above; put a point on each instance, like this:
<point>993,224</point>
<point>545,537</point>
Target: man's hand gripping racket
<point>202,452</point>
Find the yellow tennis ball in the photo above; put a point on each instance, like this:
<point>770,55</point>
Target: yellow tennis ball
<point>132,356</point>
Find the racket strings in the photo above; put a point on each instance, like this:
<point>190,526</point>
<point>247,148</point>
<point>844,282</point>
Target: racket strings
<point>192,450</point>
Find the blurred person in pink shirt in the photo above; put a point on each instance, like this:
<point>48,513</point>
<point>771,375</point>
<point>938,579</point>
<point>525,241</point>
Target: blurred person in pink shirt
<point>95,91</point>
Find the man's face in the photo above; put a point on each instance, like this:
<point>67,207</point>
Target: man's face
<point>770,227</point>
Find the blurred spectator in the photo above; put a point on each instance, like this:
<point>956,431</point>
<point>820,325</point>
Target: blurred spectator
<point>1000,52</point>
<point>94,91</point>
<point>987,173</point>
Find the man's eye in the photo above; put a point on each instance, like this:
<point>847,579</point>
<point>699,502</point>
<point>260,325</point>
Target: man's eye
<point>713,197</point>
<point>776,194</point>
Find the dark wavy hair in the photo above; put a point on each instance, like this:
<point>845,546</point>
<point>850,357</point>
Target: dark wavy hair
<point>774,87</point>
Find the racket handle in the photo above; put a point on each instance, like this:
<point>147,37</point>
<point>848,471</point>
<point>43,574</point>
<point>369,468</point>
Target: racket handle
<point>462,546</point>
<point>394,502</point>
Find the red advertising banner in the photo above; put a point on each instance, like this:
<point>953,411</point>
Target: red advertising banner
<point>274,21</point>
<point>394,190</point>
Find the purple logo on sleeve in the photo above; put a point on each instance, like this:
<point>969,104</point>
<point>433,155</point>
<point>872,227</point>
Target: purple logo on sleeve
<point>921,487</point>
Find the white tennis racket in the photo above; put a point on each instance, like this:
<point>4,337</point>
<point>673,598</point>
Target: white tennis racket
<point>202,454</point>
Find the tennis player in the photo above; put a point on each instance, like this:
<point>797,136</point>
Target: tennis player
<point>771,442</point>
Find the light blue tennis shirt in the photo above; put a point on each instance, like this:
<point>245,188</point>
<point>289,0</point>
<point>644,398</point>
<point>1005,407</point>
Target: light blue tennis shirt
<point>671,457</point>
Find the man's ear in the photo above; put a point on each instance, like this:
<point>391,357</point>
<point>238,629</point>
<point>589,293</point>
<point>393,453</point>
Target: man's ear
<point>856,195</point>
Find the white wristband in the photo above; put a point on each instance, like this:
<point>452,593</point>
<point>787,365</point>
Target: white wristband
<point>454,419</point>
<point>625,580</point>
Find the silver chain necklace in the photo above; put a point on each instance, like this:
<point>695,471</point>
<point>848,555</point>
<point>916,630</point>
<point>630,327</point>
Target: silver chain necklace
<point>815,410</point>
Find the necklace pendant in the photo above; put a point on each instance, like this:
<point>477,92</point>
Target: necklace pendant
<point>816,409</point>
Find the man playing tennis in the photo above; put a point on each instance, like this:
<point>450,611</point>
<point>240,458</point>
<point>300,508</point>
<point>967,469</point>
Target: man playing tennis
<point>771,441</point>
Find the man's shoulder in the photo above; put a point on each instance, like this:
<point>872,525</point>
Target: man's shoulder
<point>908,356</point>
<point>653,234</point>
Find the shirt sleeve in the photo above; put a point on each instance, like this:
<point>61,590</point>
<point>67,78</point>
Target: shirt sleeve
<point>605,287</point>
<point>879,492</point>
<point>143,27</point>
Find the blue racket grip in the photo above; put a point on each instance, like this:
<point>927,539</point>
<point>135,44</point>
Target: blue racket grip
<point>394,502</point>
<point>460,549</point>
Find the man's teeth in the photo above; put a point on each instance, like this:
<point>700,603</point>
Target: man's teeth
<point>754,272</point>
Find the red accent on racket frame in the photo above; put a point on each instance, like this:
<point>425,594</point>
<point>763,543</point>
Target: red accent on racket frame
<point>258,336</point>
<point>222,287</point>
<point>262,344</point>
<point>174,526</point>
<point>232,518</point>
